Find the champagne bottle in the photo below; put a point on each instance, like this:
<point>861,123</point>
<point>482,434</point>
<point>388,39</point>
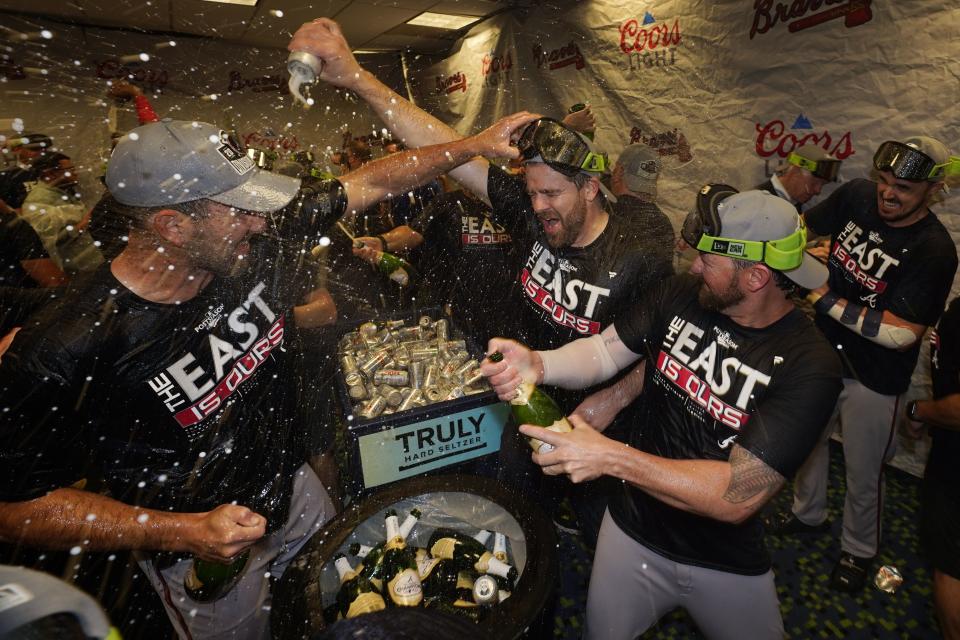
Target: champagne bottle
<point>392,266</point>
<point>469,610</point>
<point>372,557</point>
<point>441,580</point>
<point>357,595</point>
<point>400,575</point>
<point>207,581</point>
<point>504,588</point>
<point>468,553</point>
<point>533,406</point>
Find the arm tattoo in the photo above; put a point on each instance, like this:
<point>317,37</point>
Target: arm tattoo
<point>750,477</point>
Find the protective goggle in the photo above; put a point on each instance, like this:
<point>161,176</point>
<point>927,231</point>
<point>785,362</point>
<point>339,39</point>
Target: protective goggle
<point>823,169</point>
<point>907,163</point>
<point>560,147</point>
<point>702,230</point>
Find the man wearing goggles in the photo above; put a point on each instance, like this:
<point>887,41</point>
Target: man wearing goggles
<point>891,265</point>
<point>581,266</point>
<point>731,360</point>
<point>804,174</point>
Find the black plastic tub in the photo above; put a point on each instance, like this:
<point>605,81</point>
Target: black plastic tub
<point>299,596</point>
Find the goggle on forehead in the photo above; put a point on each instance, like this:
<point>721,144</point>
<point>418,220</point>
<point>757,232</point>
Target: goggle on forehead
<point>783,254</point>
<point>560,147</point>
<point>823,169</point>
<point>907,163</point>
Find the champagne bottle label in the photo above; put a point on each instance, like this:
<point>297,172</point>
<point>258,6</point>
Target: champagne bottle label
<point>500,547</point>
<point>443,548</point>
<point>405,589</point>
<point>560,426</point>
<point>464,581</point>
<point>400,276</point>
<point>366,603</point>
<point>425,564</point>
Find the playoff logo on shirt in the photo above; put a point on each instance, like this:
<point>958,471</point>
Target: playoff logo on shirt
<point>481,230</point>
<point>864,261</point>
<point>570,302</point>
<point>697,370</point>
<point>191,390</point>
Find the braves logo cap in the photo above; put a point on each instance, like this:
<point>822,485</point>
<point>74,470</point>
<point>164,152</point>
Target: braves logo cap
<point>174,161</point>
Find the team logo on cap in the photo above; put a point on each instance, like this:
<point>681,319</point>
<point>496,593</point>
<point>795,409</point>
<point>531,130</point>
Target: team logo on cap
<point>232,152</point>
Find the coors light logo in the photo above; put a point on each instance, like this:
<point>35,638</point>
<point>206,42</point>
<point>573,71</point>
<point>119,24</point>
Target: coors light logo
<point>804,14</point>
<point>648,43</point>
<point>668,143</point>
<point>494,67</point>
<point>773,139</point>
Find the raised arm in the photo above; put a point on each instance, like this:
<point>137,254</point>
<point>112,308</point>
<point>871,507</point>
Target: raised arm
<point>69,517</point>
<point>414,126</point>
<point>399,172</point>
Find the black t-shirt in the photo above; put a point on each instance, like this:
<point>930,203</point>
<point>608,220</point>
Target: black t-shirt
<point>178,407</point>
<point>648,224</point>
<point>945,373</point>
<point>904,270</point>
<point>468,260</point>
<point>711,383</point>
<point>571,292</point>
<point>565,294</point>
<point>18,242</point>
<point>13,186</point>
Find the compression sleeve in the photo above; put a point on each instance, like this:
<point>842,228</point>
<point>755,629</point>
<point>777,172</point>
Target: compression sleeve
<point>886,334</point>
<point>587,361</point>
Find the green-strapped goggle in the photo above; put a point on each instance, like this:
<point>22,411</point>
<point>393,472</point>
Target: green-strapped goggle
<point>560,147</point>
<point>908,163</point>
<point>703,231</point>
<point>823,169</point>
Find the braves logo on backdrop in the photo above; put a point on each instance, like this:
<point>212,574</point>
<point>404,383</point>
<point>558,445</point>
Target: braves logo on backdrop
<point>481,231</point>
<point>773,139</point>
<point>570,302</point>
<point>719,386</point>
<point>668,143</point>
<point>196,385</point>
<point>866,263</point>
<point>804,14</point>
<point>257,84</point>
<point>648,43</point>
<point>448,84</point>
<point>565,56</point>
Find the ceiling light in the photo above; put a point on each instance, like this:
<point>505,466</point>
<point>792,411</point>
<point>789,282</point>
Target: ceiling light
<point>443,20</point>
<point>246,3</point>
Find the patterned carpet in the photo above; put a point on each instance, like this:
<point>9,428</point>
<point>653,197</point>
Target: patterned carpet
<point>802,565</point>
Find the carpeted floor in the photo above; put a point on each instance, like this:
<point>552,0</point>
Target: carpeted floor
<point>802,564</point>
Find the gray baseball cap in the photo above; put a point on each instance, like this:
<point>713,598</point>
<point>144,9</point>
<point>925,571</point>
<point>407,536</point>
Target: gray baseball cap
<point>759,216</point>
<point>174,161</point>
<point>27,596</point>
<point>641,167</point>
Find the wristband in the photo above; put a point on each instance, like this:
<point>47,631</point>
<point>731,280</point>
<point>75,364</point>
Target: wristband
<point>383,242</point>
<point>912,410</point>
<point>826,302</point>
<point>871,323</point>
<point>851,313</point>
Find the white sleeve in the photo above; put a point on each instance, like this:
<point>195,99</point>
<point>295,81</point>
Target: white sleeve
<point>587,361</point>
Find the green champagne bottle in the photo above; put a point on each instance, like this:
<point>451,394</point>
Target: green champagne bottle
<point>468,553</point>
<point>400,576</point>
<point>357,595</point>
<point>392,266</point>
<point>533,406</point>
<point>207,581</point>
<point>466,609</point>
<point>372,557</point>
